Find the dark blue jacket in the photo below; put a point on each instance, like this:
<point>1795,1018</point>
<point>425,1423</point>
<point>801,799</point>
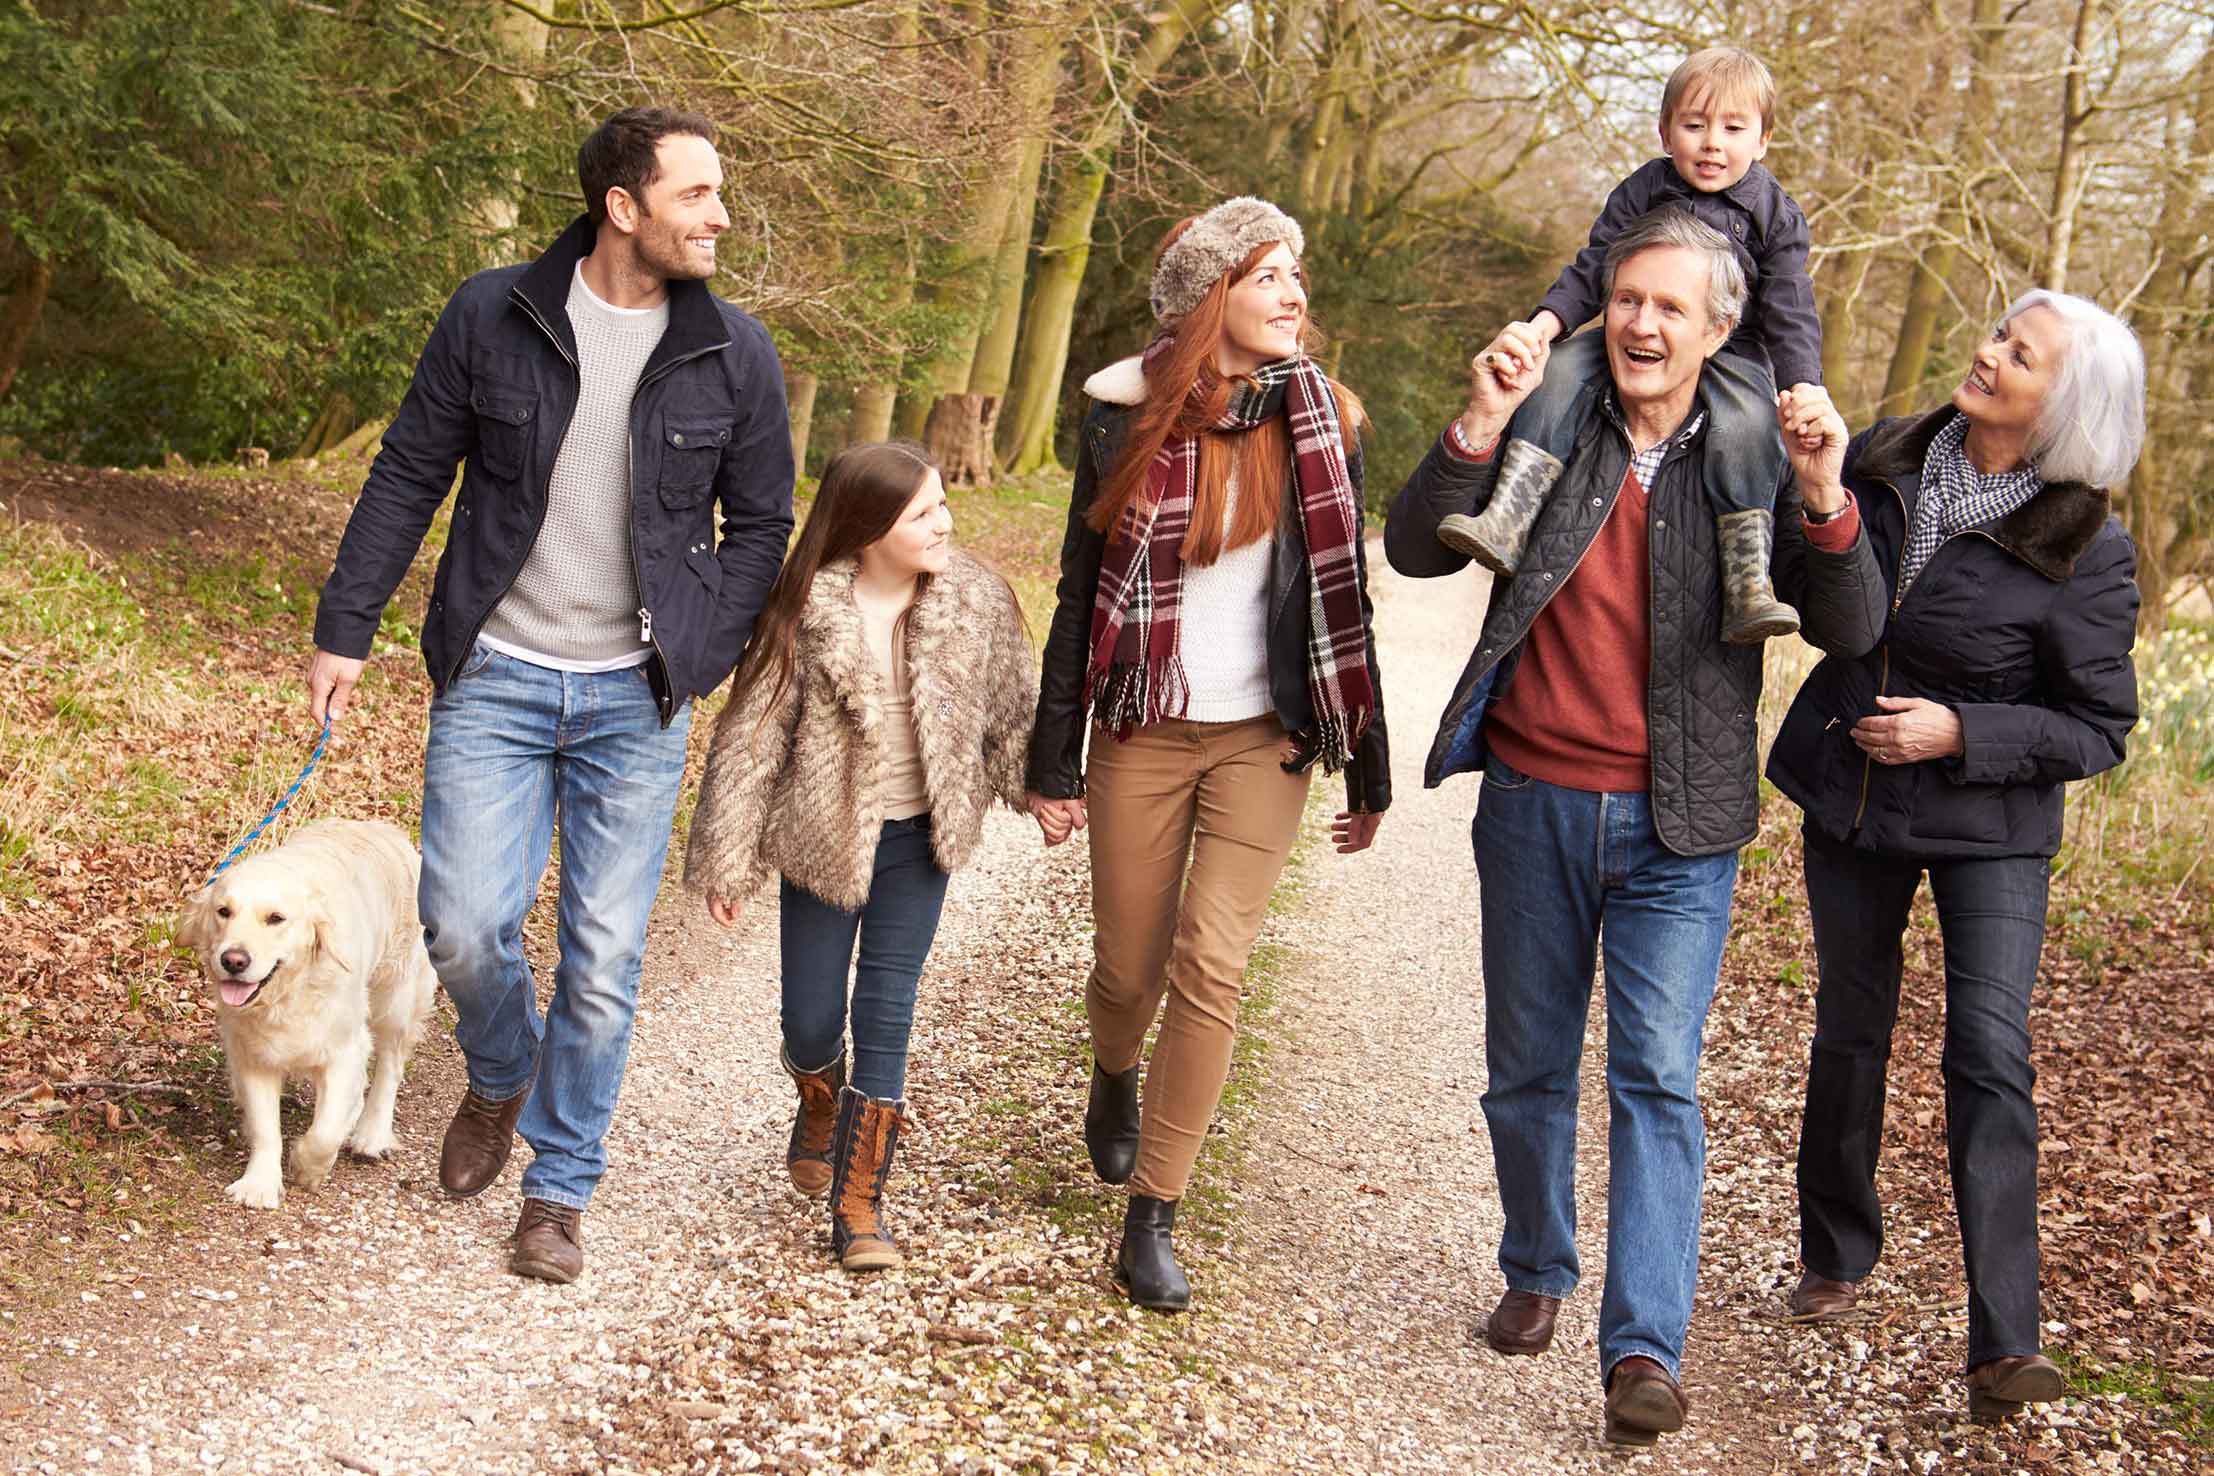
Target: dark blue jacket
<point>2022,625</point>
<point>494,391</point>
<point>1770,235</point>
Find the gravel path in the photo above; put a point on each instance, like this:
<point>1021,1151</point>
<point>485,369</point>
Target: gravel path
<point>1341,1233</point>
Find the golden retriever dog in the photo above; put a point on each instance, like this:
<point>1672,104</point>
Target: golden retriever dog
<point>314,954</point>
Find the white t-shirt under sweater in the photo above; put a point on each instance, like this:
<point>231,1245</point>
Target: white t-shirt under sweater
<point>574,607</point>
<point>905,793</point>
<point>1222,634</point>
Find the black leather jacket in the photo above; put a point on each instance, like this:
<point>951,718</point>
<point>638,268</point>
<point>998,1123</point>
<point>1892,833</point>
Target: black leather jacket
<point>494,390</point>
<point>1056,767</point>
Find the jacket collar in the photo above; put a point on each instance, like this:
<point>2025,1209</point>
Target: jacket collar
<point>695,320</point>
<point>831,620</point>
<point>1120,383</point>
<point>2048,533</point>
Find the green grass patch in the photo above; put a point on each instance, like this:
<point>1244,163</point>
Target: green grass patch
<point>2181,1403</point>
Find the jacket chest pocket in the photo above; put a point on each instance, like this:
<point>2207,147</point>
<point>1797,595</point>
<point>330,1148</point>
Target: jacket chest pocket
<point>691,451</point>
<point>504,423</point>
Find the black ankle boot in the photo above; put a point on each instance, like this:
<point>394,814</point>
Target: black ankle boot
<point>1146,1263</point>
<point>1111,1124</point>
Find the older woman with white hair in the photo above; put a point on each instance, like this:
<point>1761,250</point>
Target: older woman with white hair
<point>2004,672</point>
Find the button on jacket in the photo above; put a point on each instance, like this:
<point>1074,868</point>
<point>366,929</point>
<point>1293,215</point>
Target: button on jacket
<point>494,391</point>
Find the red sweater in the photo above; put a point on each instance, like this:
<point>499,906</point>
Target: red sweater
<point>1575,713</point>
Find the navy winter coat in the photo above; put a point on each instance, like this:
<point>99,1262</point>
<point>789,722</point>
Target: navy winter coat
<point>1769,234</point>
<point>494,391</point>
<point>2022,625</point>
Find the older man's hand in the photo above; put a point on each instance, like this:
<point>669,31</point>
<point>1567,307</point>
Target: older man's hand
<point>1814,439</point>
<point>1500,378</point>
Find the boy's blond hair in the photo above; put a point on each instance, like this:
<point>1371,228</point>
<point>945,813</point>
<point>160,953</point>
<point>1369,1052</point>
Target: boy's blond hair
<point>1726,73</point>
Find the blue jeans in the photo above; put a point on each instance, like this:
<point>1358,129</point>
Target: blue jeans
<point>1743,453</point>
<point>895,926</point>
<point>512,748</point>
<point>1566,874</point>
<point>1991,915</point>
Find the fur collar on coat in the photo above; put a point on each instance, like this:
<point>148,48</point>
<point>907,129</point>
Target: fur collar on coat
<point>801,795</point>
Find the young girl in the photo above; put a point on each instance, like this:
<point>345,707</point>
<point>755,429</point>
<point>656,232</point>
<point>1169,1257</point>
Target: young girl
<point>883,702</point>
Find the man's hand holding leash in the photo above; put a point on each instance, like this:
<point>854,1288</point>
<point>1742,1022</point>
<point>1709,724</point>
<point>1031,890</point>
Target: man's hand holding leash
<point>330,682</point>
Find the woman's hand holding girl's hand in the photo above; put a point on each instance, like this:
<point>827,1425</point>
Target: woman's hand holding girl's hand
<point>1057,819</point>
<point>1915,729</point>
<point>1350,832</point>
<point>723,909</point>
<point>1814,439</point>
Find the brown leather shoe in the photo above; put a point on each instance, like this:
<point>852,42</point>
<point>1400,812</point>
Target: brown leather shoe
<point>1998,1389</point>
<point>1819,1299</point>
<point>1643,1403</point>
<point>478,1141</point>
<point>549,1241</point>
<point>1522,1323</point>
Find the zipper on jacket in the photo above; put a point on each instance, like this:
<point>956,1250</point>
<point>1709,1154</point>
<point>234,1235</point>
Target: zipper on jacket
<point>638,574</point>
<point>1898,597</point>
<point>515,295</point>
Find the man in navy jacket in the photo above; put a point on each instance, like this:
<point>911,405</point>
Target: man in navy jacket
<point>604,407</point>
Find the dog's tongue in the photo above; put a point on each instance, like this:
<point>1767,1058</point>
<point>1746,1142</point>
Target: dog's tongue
<point>236,992</point>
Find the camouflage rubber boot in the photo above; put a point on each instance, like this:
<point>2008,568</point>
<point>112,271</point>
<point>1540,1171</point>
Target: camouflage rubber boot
<point>866,1136</point>
<point>807,1156</point>
<point>1751,613</point>
<point>1495,536</point>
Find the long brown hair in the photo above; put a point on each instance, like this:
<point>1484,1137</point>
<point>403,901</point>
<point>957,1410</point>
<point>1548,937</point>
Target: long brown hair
<point>863,491</point>
<point>1185,395</point>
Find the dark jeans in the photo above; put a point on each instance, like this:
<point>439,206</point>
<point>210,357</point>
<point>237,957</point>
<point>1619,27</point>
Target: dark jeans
<point>1744,454</point>
<point>1992,916</point>
<point>895,926</point>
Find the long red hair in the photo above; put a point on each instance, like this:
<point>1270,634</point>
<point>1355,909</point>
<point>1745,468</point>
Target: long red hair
<point>1185,396</point>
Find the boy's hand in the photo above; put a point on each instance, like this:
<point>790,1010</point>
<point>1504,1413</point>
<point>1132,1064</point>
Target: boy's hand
<point>1548,325</point>
<point>1500,378</point>
<point>1814,439</point>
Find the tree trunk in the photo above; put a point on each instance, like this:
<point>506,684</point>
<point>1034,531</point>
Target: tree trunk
<point>799,399</point>
<point>989,204</point>
<point>1034,392</point>
<point>521,40</point>
<point>995,345</point>
<point>959,438</point>
<point>1902,386</point>
<point>332,424</point>
<point>20,320</point>
<point>872,412</point>
<point>2069,169</point>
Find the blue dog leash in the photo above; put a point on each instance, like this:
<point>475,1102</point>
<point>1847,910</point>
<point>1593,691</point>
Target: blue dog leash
<point>276,809</point>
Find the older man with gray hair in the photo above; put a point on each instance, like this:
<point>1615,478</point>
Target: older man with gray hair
<point>1614,729</point>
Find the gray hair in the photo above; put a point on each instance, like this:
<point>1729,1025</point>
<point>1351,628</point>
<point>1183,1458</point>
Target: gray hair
<point>1672,225</point>
<point>2092,423</point>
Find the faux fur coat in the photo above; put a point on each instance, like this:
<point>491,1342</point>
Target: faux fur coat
<point>801,795</point>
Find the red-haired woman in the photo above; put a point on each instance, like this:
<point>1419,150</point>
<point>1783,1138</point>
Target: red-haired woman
<point>1213,625</point>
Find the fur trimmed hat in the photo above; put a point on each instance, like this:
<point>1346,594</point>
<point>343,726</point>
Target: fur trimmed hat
<point>1216,243</point>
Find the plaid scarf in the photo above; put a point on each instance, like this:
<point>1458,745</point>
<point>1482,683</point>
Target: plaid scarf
<point>1955,496</point>
<point>1135,675</point>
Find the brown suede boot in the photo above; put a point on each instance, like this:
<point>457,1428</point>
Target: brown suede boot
<point>862,1144</point>
<point>1751,613</point>
<point>807,1156</point>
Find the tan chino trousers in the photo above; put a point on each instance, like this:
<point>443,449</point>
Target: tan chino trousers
<point>1189,824</point>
